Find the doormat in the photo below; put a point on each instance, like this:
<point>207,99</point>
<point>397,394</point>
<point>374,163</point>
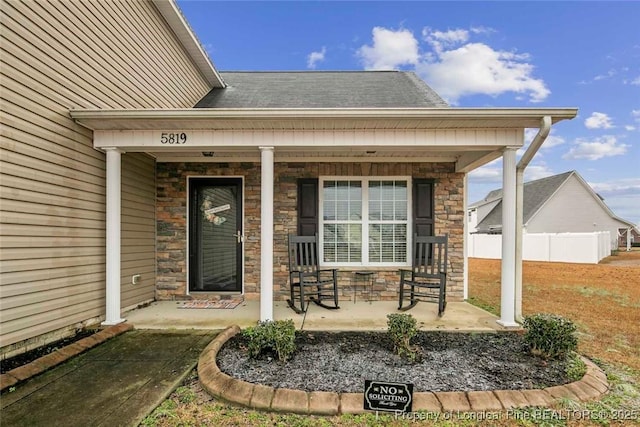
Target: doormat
<point>205,303</point>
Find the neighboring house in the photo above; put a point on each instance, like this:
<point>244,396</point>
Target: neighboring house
<point>562,203</point>
<point>629,237</point>
<point>133,170</point>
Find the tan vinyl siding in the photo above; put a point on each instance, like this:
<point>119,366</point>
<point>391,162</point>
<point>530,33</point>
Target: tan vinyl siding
<point>101,58</point>
<point>58,56</point>
<point>138,228</point>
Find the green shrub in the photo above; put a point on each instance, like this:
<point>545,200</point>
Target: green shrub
<point>550,335</point>
<point>277,336</point>
<point>402,327</point>
<point>576,368</point>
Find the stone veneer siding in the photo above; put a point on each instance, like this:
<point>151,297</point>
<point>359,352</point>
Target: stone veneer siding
<point>172,221</point>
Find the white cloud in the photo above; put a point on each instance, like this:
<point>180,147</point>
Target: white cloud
<point>486,174</point>
<point>314,57</point>
<point>598,121</point>
<point>608,75</point>
<point>533,172</point>
<point>606,146</point>
<point>441,39</point>
<point>489,173</point>
<point>390,50</point>
<point>629,128</point>
<point>476,68</point>
<point>635,81</point>
<point>622,196</point>
<point>617,187</point>
<point>452,65</point>
<point>551,141</point>
<point>625,207</point>
<point>482,30</point>
<point>636,115</point>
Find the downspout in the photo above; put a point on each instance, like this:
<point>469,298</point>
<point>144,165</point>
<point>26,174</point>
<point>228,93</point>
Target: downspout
<point>538,140</point>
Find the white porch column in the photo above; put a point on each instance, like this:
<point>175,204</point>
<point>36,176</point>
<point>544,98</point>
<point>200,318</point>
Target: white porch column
<point>113,238</point>
<point>266,234</point>
<point>465,240</point>
<point>507,294</point>
<point>519,240</point>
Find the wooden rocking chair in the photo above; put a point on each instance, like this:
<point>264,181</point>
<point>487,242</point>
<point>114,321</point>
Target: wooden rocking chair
<point>427,279</point>
<point>307,281</point>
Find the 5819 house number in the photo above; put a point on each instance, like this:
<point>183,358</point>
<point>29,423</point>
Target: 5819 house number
<point>173,138</point>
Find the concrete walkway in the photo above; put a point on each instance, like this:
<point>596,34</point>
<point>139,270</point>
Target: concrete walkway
<point>117,383</point>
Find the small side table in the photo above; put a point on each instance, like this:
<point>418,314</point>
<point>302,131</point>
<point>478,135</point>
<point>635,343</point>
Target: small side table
<point>366,279</point>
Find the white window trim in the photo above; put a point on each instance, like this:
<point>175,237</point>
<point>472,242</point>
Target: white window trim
<point>365,223</point>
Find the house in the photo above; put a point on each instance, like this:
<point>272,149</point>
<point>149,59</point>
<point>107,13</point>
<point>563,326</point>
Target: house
<point>562,203</point>
<point>628,238</point>
<point>133,170</point>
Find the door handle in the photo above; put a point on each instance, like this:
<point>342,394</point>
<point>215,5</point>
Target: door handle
<point>239,237</point>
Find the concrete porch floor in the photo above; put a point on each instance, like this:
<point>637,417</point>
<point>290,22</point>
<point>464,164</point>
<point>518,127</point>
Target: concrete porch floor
<point>361,315</point>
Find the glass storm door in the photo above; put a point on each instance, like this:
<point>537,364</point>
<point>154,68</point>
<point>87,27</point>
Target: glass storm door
<point>215,235</point>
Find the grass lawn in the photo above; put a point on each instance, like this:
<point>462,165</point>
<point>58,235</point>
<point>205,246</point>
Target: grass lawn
<point>603,300</point>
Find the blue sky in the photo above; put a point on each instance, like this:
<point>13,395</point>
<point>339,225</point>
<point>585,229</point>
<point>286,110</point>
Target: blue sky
<point>474,54</point>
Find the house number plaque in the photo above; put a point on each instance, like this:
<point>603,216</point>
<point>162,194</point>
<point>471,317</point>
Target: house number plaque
<point>173,138</point>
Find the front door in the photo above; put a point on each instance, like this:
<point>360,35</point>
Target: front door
<point>215,234</point>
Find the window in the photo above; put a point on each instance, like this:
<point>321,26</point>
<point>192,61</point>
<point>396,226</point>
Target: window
<point>364,221</point>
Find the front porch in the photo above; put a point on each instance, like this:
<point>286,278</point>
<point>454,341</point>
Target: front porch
<point>353,155</point>
<point>361,315</point>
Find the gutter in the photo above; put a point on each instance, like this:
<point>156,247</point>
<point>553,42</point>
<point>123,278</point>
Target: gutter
<point>432,118</point>
<point>507,114</point>
<point>538,140</point>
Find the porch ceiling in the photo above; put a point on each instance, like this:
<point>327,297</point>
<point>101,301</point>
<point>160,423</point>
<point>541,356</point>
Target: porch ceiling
<point>339,154</point>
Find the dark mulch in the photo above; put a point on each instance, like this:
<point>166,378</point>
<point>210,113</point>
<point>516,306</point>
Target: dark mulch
<point>341,361</point>
<point>31,355</point>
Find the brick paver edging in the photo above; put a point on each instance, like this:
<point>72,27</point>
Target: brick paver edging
<point>593,385</point>
<point>55,358</point>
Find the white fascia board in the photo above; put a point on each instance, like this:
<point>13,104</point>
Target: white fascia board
<point>172,14</point>
<point>522,114</point>
<point>96,119</point>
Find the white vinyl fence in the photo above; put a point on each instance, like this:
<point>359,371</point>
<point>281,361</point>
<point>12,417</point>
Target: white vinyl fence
<point>584,248</point>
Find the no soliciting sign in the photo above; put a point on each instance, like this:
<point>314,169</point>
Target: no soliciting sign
<point>383,396</point>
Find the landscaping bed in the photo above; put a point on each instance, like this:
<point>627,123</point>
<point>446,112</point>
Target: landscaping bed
<point>29,356</point>
<point>341,361</point>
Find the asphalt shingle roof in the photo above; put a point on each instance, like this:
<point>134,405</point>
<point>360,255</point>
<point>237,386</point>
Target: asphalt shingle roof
<point>535,194</point>
<point>322,89</point>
